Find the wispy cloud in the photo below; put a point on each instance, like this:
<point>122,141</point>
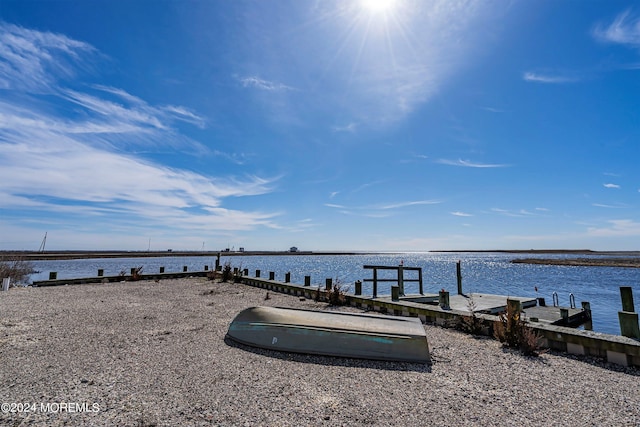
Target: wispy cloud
<point>547,78</point>
<point>611,185</point>
<point>606,206</point>
<point>378,211</point>
<point>259,83</point>
<point>351,127</point>
<point>55,163</point>
<point>406,204</point>
<point>463,214</point>
<point>617,228</point>
<point>35,61</point>
<point>517,214</point>
<point>469,164</point>
<point>625,29</point>
<point>493,110</point>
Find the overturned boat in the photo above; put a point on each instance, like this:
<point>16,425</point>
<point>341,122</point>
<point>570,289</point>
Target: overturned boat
<point>354,335</point>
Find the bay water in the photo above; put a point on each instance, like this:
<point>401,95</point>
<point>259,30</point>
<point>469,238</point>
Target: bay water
<point>490,273</point>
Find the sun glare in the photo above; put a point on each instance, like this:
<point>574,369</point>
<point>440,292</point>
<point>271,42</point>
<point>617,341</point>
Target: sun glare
<point>378,6</point>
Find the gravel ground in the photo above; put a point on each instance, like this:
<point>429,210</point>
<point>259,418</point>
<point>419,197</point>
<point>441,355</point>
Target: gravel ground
<point>154,354</point>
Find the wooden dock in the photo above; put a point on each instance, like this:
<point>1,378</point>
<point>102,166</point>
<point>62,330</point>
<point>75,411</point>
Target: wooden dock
<point>495,304</point>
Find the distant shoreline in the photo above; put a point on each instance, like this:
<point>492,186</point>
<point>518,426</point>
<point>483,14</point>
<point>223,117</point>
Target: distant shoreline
<point>626,257</point>
<point>583,262</point>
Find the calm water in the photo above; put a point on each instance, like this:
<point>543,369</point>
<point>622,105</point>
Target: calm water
<point>485,273</point>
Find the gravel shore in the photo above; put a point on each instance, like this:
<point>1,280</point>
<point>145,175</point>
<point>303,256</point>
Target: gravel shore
<point>154,354</point>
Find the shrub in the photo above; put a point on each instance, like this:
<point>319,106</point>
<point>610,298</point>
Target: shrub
<point>335,295</point>
<point>513,332</point>
<point>227,272</point>
<point>471,324</point>
<point>136,273</point>
<point>16,269</point>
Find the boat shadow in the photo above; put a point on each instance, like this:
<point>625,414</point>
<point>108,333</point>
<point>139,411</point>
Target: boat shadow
<point>317,359</point>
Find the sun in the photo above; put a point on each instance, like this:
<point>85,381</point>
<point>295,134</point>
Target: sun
<point>378,6</point>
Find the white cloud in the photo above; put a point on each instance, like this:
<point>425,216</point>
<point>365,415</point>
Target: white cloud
<point>611,185</point>
<point>625,29</point>
<point>518,214</point>
<point>602,205</point>
<point>458,213</point>
<point>406,204</point>
<point>65,169</point>
<point>546,78</point>
<point>617,228</point>
<point>262,84</point>
<point>34,61</point>
<point>469,164</point>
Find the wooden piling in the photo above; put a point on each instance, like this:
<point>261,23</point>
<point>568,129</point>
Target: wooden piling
<point>287,277</point>
<point>328,283</point>
<point>628,318</point>
<point>100,272</point>
<point>307,280</point>
<point>272,275</point>
<point>358,287</point>
<point>459,276</point>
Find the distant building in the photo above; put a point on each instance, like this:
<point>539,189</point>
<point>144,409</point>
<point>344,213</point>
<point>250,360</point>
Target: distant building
<point>293,249</point>
<point>240,249</point>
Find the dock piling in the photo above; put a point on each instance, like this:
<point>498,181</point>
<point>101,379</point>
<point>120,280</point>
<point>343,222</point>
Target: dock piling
<point>328,284</point>
<point>5,283</point>
<point>395,293</point>
<point>459,276</point>
<point>628,318</point>
<point>358,287</point>
<point>307,280</point>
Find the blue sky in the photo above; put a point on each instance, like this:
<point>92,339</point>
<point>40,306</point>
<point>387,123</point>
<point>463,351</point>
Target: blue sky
<point>326,125</point>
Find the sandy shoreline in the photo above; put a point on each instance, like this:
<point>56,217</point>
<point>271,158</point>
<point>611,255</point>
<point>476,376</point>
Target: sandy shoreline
<point>155,354</point>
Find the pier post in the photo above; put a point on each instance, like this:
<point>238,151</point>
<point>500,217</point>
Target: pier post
<point>100,272</point>
<point>328,284</point>
<point>287,277</point>
<point>161,269</point>
<point>245,272</point>
<point>514,305</point>
<point>133,271</point>
<point>218,261</point>
<point>257,273</point>
<point>272,275</point>
<point>375,282</point>
<point>626,294</point>
<point>459,276</point>
<point>628,318</point>
<point>586,307</point>
<point>307,280</point>
<point>358,287</point>
<point>206,268</point>
<point>395,293</point>
<point>184,268</point>
<point>443,300</point>
<point>5,283</point>
<point>564,314</point>
<point>400,280</point>
<point>420,281</point>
